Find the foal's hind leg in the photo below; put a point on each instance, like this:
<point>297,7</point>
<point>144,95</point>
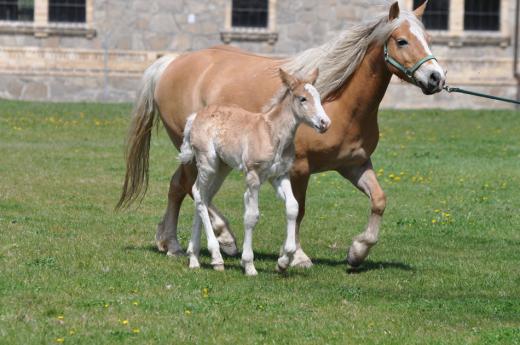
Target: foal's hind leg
<point>364,178</point>
<point>251,216</point>
<point>166,236</point>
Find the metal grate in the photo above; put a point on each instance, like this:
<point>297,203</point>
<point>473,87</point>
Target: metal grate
<point>17,10</point>
<point>436,16</point>
<point>67,11</point>
<point>250,13</point>
<point>482,15</point>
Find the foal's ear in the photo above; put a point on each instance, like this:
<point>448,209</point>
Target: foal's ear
<point>314,76</point>
<point>394,11</point>
<point>419,11</point>
<point>288,79</point>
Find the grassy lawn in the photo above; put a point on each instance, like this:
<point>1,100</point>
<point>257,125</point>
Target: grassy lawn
<point>446,269</point>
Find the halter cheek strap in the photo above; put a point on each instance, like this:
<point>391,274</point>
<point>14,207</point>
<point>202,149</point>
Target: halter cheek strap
<point>409,72</point>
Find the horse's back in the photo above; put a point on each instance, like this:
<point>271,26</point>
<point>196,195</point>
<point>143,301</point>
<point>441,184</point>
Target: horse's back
<point>218,75</point>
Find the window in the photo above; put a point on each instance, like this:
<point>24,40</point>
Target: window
<point>482,15</point>
<point>67,11</point>
<point>436,16</point>
<point>17,10</point>
<point>250,13</point>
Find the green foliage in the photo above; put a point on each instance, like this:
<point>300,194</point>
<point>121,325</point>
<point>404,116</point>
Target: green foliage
<point>446,269</point>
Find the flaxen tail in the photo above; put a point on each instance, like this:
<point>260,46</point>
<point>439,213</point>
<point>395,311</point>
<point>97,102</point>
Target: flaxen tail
<point>140,133</point>
<point>187,154</point>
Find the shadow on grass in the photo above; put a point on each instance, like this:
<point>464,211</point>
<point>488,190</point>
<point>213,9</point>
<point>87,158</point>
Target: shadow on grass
<point>379,265</point>
<point>367,266</point>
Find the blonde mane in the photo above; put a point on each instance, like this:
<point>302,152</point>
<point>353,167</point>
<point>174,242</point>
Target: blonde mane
<point>339,58</point>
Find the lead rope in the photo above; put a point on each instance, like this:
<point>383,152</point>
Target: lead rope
<point>478,94</point>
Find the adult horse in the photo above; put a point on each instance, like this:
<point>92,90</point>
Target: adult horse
<point>356,69</point>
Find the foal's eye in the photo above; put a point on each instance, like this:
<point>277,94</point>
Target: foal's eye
<point>303,99</point>
<point>402,42</point>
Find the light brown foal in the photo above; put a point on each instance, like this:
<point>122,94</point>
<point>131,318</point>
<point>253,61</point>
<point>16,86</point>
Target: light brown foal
<point>353,79</point>
<point>221,138</point>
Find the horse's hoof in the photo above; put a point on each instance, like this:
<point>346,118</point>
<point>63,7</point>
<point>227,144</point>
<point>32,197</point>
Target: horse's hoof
<point>357,253</point>
<point>229,248</point>
<point>161,246</point>
<point>301,260</point>
<point>218,267</point>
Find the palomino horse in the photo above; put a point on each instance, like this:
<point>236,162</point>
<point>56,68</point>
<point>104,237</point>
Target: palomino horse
<point>261,145</point>
<point>355,71</point>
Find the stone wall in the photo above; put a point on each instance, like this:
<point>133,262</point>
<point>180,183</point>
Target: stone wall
<point>130,35</point>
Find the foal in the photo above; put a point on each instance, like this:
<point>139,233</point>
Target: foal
<point>262,146</point>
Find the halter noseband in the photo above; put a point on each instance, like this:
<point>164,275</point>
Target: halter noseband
<point>409,72</point>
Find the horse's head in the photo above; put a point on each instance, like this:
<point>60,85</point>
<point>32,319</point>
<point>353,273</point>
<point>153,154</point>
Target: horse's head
<point>305,100</point>
<point>408,54</point>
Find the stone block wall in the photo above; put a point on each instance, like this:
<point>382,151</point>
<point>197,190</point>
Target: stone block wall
<point>130,34</point>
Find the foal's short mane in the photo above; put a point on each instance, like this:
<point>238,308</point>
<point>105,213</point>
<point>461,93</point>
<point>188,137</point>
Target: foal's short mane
<point>339,58</point>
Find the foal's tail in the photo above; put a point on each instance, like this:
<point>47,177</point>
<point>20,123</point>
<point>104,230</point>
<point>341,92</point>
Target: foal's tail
<point>187,154</point>
<point>140,133</point>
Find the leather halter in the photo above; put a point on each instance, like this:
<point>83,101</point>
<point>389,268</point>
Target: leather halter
<point>409,72</point>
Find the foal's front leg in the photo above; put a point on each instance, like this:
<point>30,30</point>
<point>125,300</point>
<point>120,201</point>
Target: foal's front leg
<point>251,216</point>
<point>282,186</point>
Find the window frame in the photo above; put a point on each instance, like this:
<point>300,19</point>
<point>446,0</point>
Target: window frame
<point>456,36</point>
<point>258,34</point>
<point>41,27</point>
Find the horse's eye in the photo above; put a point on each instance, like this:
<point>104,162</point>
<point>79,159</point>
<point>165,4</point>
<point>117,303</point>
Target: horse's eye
<point>402,42</point>
<point>303,99</point>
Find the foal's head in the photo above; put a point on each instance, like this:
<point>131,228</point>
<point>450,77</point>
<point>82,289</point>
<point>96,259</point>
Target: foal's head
<point>408,54</point>
<point>305,100</point>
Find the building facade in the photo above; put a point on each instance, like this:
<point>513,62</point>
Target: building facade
<point>96,50</point>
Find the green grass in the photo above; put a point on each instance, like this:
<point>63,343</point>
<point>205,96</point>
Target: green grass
<point>446,269</point>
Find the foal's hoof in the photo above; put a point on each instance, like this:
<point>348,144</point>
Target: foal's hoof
<point>301,260</point>
<point>194,264</point>
<point>280,269</point>
<point>218,267</point>
<point>176,254</point>
<point>250,271</point>
<point>229,248</point>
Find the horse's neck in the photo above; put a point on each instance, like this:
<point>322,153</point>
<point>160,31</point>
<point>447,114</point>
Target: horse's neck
<point>282,123</point>
<point>367,86</point>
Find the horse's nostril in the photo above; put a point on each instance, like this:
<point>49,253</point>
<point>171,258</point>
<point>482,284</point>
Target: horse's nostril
<point>435,77</point>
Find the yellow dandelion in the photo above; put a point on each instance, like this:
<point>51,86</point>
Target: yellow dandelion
<point>205,292</point>
<point>60,317</point>
<point>397,178</point>
<point>135,303</point>
<point>437,210</point>
<point>106,305</point>
<point>60,340</point>
<point>434,221</point>
<point>136,330</point>
<point>187,312</point>
<point>124,322</point>
<point>72,332</point>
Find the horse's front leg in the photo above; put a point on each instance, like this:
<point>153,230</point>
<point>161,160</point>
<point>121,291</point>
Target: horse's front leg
<point>364,178</point>
<point>299,182</point>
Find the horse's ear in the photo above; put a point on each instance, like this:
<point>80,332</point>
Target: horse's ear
<point>314,76</point>
<point>394,11</point>
<point>419,11</point>
<point>288,79</point>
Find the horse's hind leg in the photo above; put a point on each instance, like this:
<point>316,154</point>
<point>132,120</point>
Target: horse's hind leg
<point>299,182</point>
<point>166,236</point>
<point>364,178</point>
